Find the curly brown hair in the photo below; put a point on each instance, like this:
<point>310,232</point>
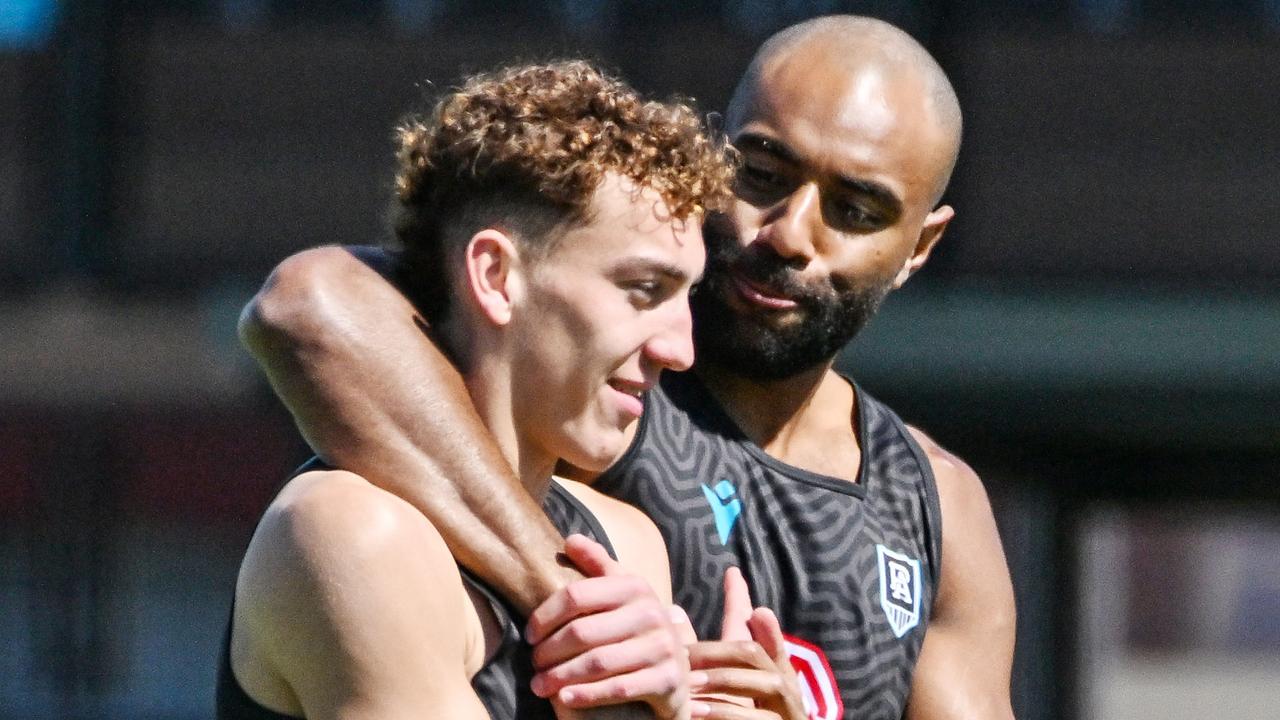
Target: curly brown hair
<point>525,148</point>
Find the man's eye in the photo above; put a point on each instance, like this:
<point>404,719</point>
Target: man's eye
<point>758,178</point>
<point>855,216</point>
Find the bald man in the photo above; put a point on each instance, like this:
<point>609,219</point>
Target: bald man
<point>875,547</point>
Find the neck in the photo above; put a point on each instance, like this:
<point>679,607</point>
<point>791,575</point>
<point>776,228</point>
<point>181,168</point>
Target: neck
<point>806,420</point>
<point>488,382</point>
<point>763,409</point>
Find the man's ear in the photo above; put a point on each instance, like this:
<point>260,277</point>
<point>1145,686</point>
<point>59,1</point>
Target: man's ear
<point>492,274</point>
<point>935,223</point>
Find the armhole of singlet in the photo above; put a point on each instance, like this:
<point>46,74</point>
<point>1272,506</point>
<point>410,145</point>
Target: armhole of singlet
<point>933,504</point>
<point>587,516</point>
<point>502,612</point>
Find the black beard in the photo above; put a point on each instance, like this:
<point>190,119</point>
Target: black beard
<point>755,345</point>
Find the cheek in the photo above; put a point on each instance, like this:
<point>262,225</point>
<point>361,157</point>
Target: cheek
<point>879,254</point>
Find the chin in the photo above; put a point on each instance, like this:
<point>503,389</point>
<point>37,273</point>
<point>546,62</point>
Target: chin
<point>597,454</point>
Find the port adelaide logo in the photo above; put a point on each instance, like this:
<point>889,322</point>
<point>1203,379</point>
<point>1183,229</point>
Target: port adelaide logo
<point>899,589</point>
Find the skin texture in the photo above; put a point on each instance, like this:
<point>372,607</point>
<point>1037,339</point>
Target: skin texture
<point>848,140</point>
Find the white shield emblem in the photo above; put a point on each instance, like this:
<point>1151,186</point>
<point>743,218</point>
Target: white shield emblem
<point>899,589</point>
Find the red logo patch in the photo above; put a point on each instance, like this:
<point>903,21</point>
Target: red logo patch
<point>817,682</point>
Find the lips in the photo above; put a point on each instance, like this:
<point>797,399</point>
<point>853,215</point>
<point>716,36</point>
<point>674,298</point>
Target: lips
<point>629,395</point>
<point>761,296</point>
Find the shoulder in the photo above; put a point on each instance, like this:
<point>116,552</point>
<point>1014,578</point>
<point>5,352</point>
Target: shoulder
<point>954,476</point>
<point>349,599</point>
<point>975,575</point>
<point>325,515</point>
<point>334,552</point>
<point>635,538</point>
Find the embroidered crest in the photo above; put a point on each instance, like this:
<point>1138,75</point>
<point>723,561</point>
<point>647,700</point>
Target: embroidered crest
<point>899,589</point>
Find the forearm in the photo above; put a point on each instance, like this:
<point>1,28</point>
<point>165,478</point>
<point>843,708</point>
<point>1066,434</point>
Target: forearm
<point>370,392</point>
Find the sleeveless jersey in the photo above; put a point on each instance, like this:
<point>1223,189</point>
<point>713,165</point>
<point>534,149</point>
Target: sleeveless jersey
<point>850,569</point>
<point>502,683</point>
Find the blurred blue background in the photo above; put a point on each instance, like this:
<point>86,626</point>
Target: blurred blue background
<point>1098,334</point>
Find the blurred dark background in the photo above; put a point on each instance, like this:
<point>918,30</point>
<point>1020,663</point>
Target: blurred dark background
<point>1099,333</point>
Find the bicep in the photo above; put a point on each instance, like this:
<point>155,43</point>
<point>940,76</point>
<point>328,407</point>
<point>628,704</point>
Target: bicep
<point>965,664</point>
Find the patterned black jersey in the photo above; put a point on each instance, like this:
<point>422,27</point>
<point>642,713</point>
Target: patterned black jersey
<point>502,683</point>
<point>850,569</point>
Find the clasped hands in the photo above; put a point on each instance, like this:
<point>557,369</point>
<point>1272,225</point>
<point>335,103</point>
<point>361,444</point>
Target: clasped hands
<point>609,640</point>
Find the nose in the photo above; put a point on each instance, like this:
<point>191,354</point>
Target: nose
<point>671,345</point>
<point>791,225</point>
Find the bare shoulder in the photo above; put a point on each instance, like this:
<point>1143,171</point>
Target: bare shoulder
<point>973,619</point>
<point>960,490</point>
<point>329,533</point>
<point>336,515</point>
<point>635,538</point>
<point>973,562</point>
<point>348,598</point>
<point>947,466</point>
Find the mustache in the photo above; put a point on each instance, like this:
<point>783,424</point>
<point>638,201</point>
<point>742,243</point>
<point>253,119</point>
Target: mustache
<point>767,270</point>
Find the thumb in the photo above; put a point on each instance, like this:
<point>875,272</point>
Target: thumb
<point>737,607</point>
<point>767,631</point>
<point>590,556</point>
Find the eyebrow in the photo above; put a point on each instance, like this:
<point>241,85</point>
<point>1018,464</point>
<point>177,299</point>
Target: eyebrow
<point>878,192</point>
<point>669,270</point>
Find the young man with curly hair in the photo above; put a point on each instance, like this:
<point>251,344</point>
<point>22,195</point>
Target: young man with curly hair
<point>876,547</point>
<point>555,218</point>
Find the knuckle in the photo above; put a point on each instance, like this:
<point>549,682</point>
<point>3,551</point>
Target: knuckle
<point>653,615</point>
<point>672,678</point>
<point>573,597</point>
<point>595,663</point>
<point>667,646</point>
<point>575,632</point>
<point>617,690</point>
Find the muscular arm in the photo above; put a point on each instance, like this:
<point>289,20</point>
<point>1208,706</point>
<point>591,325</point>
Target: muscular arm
<point>966,663</point>
<point>347,354</point>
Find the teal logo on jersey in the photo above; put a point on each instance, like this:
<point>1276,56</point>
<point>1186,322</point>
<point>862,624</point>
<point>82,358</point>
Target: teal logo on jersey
<point>725,508</point>
<point>899,589</point>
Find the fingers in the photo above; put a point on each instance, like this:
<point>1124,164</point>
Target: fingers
<point>663,684</point>
<point>601,616</point>
<point>612,660</point>
<point>753,683</point>
<point>741,654</point>
<point>683,626</point>
<point>590,556</point>
<point>737,607</point>
<point>711,710</point>
<point>767,631</point>
<point>745,669</point>
<point>581,598</point>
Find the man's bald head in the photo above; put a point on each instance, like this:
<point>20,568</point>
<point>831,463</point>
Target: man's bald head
<point>854,46</point>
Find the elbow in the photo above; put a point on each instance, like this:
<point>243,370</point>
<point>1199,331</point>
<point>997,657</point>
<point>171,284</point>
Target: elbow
<point>290,308</point>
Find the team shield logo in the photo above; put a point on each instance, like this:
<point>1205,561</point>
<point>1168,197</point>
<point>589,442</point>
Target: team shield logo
<point>817,683</point>
<point>899,589</point>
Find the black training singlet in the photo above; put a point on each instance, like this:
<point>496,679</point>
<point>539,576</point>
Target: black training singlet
<point>850,569</point>
<point>502,683</point>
